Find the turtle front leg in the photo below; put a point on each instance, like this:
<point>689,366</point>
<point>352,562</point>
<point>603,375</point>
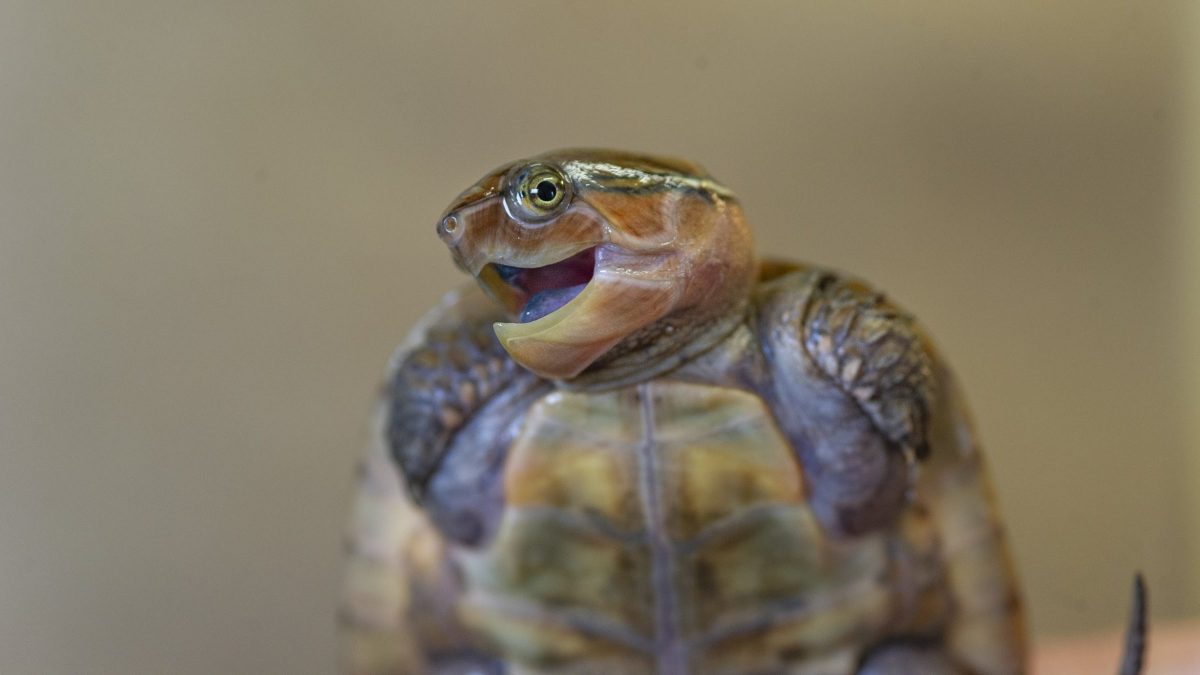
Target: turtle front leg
<point>852,389</point>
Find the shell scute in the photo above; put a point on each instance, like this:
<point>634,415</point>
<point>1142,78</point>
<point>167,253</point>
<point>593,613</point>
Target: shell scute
<point>720,453</point>
<point>573,455</point>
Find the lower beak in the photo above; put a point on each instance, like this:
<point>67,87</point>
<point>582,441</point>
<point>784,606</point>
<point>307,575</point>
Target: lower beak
<point>563,343</point>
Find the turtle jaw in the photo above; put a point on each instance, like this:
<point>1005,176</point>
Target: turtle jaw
<point>572,311</point>
<point>530,293</point>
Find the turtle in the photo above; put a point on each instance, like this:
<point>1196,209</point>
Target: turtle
<point>635,447</point>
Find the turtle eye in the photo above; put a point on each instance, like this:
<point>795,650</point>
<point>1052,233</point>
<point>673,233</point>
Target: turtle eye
<point>537,192</point>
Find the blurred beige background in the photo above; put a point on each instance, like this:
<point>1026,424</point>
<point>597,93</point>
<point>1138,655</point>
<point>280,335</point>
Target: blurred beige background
<point>216,221</point>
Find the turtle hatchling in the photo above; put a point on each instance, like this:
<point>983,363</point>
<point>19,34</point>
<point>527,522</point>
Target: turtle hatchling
<point>635,447</point>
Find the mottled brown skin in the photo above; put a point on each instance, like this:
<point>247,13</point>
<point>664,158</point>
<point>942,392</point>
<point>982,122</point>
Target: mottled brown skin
<point>698,463</point>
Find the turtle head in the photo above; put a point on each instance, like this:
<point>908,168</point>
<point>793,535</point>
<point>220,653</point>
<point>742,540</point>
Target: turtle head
<point>607,262</point>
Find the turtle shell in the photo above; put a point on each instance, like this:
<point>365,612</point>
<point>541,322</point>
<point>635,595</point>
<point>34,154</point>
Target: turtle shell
<point>663,525</point>
<point>689,523</point>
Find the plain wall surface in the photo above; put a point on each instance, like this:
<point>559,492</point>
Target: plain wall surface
<point>216,221</point>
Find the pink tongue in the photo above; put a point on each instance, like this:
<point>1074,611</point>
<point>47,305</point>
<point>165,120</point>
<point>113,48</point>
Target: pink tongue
<point>570,272</point>
<point>553,286</point>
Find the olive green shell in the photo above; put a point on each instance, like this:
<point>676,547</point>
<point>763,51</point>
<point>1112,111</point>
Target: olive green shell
<point>666,527</point>
<point>691,484</point>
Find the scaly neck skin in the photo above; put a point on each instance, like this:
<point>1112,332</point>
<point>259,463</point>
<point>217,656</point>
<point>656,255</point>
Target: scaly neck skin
<point>656,350</point>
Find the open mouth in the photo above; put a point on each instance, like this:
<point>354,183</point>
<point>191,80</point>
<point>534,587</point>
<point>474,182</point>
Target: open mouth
<point>534,292</point>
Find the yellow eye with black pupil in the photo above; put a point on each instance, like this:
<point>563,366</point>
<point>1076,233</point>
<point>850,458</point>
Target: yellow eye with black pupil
<point>544,191</point>
<point>536,193</point>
